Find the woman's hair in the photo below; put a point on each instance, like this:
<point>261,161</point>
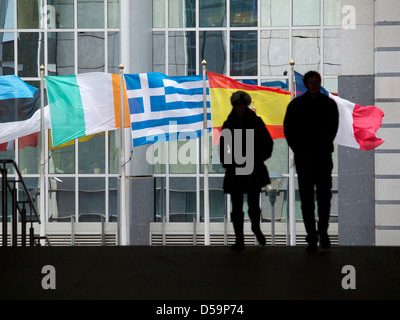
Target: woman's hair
<point>240,98</point>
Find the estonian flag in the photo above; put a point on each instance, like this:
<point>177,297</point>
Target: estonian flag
<point>19,113</point>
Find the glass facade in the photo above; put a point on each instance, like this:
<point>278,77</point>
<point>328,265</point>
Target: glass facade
<point>246,40</point>
<point>68,37</point>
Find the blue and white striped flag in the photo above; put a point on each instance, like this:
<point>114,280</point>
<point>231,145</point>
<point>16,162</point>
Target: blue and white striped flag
<point>166,108</point>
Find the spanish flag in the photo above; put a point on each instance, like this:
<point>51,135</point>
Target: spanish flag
<point>269,103</point>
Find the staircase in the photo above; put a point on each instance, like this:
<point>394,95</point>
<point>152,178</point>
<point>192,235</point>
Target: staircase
<point>10,187</point>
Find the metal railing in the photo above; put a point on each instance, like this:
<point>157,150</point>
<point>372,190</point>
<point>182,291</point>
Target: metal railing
<point>9,184</point>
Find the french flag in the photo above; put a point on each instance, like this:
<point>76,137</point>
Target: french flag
<point>19,113</point>
<point>358,125</point>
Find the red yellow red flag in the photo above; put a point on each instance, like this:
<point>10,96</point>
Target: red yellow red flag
<point>269,103</point>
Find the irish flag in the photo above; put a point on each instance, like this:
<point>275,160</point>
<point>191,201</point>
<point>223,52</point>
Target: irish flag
<point>84,104</point>
<point>269,103</point>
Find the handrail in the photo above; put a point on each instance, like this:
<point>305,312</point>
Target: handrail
<point>24,186</point>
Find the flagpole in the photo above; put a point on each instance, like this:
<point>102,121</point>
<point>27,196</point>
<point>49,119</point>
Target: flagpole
<point>122,218</point>
<point>205,161</point>
<point>42,161</point>
<point>292,186</point>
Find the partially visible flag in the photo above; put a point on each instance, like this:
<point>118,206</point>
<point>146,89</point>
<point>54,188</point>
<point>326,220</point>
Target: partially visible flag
<point>19,113</point>
<point>269,103</point>
<point>270,84</point>
<point>358,125</point>
<point>31,140</point>
<point>84,104</point>
<point>72,142</point>
<point>166,108</point>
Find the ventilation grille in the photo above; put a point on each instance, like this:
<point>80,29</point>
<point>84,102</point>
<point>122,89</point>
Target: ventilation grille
<point>65,240</point>
<point>219,239</point>
<point>82,240</point>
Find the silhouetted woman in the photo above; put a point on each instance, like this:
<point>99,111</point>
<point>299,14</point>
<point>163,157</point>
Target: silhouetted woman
<point>245,144</point>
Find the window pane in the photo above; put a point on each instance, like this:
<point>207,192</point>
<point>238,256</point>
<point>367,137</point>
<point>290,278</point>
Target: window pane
<point>332,52</point>
<point>279,160</point>
<point>158,13</point>
<point>274,52</point>
<point>7,14</point>
<point>213,50</point>
<point>214,163</point>
<point>92,197</point>
<point>92,154</point>
<point>30,54</point>
<point>6,154</point>
<point>158,151</point>
<point>306,12</point>
<point>182,156</point>
<point>182,53</point>
<point>6,53</point>
<point>113,151</point>
<point>212,13</point>
<point>217,200</point>
<point>90,14</point>
<point>28,14</point>
<point>159,52</point>
<point>29,156</point>
<point>244,53</point>
<point>243,13</point>
<point>60,14</point>
<point>113,13</point>
<point>306,50</point>
<point>62,157</point>
<point>61,199</point>
<point>182,13</point>
<point>332,12</point>
<point>182,199</point>
<point>113,52</point>
<point>275,13</point>
<point>60,51</point>
<point>113,199</point>
<point>160,196</point>
<point>330,84</point>
<point>32,184</point>
<point>90,52</point>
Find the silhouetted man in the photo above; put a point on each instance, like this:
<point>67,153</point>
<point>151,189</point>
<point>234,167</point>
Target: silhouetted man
<point>245,144</point>
<point>310,126</point>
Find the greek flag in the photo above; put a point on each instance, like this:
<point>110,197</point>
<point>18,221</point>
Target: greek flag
<point>166,108</point>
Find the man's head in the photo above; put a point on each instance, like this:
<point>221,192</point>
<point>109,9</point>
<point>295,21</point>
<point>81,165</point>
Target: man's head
<point>240,100</point>
<point>312,82</point>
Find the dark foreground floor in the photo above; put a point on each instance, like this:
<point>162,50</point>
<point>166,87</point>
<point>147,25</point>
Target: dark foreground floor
<point>199,273</point>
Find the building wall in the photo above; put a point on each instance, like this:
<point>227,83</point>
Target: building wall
<point>369,200</point>
<point>387,97</point>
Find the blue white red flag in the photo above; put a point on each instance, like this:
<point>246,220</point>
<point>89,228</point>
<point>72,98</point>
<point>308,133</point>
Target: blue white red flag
<point>19,113</point>
<point>358,125</point>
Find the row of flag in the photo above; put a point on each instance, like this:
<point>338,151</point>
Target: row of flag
<point>157,108</point>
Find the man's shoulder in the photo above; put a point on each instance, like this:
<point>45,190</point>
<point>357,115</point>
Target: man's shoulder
<point>297,101</point>
<point>329,101</point>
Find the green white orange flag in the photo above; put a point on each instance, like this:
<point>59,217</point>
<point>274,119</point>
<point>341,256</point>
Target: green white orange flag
<point>85,104</point>
<point>269,103</point>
